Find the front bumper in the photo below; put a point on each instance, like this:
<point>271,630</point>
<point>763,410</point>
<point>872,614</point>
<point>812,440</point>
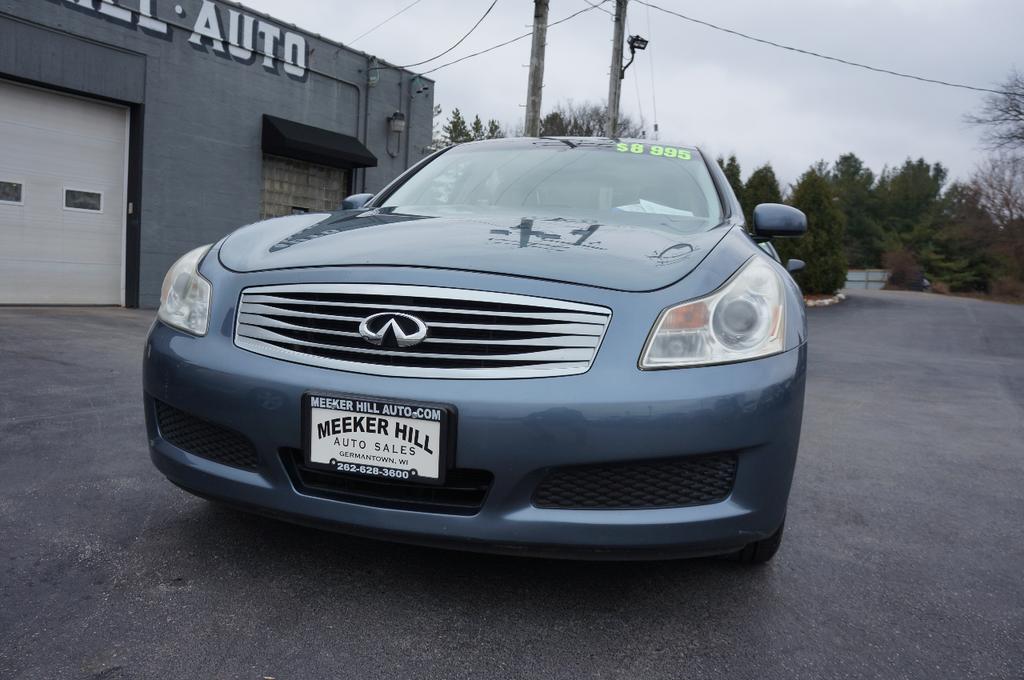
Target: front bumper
<point>515,429</point>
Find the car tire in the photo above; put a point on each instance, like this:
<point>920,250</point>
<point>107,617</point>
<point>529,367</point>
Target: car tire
<point>759,552</point>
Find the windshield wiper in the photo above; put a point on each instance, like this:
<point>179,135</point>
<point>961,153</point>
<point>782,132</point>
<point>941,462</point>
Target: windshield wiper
<point>563,141</point>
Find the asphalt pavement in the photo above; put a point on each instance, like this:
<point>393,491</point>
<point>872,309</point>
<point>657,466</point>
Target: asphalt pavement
<point>903,556</point>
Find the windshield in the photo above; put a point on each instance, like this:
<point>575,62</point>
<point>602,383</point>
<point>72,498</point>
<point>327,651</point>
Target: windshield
<point>623,183</point>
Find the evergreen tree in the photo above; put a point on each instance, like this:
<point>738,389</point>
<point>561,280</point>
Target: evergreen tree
<point>909,197</point>
<point>731,168</point>
<point>554,124</point>
<point>854,186</point>
<point>455,131</point>
<point>822,246</point>
<point>960,253</point>
<point>494,130</point>
<point>477,130</point>
<point>762,187</point>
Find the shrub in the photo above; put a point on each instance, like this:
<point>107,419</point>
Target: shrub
<point>904,271</point>
<point>1008,287</point>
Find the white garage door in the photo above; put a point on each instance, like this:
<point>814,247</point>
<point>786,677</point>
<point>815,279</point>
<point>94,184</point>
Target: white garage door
<point>63,164</point>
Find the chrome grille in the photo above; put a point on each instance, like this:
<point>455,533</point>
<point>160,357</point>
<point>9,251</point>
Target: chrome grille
<point>471,334</point>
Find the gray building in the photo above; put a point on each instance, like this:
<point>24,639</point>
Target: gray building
<point>134,130</point>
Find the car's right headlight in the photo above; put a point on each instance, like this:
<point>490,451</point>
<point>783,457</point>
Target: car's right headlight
<point>185,294</point>
<point>744,319</point>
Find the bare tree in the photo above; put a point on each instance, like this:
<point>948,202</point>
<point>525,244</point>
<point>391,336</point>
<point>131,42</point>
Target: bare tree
<point>570,119</point>
<point>1000,183</point>
<point>1002,115</point>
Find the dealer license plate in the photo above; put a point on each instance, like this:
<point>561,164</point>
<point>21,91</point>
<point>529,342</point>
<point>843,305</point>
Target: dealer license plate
<point>376,437</point>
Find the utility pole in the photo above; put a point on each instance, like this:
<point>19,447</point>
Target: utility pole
<point>533,90</point>
<point>615,74</point>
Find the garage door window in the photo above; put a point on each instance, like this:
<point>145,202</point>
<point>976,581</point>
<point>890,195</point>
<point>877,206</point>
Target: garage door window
<point>10,192</point>
<point>75,199</point>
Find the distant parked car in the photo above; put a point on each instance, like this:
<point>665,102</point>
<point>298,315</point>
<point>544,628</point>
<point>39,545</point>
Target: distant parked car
<point>566,347</point>
<point>919,283</point>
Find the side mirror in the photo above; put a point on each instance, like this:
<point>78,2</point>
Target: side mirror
<point>355,201</point>
<point>775,219</point>
<point>794,265</point>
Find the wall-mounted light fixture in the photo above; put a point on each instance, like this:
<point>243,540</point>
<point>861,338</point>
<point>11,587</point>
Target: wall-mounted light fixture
<point>396,126</point>
<point>418,86</point>
<point>373,68</point>
<point>396,122</point>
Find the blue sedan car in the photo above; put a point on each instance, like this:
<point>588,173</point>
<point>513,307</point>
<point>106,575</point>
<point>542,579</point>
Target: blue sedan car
<point>567,347</point>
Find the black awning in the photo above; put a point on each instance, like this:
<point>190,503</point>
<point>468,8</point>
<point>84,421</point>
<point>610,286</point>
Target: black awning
<point>307,143</point>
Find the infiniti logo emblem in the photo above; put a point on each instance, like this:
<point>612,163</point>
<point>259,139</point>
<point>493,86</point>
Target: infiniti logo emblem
<point>406,329</point>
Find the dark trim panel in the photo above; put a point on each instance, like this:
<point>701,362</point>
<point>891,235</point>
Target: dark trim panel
<point>133,221</point>
<point>307,143</point>
<point>726,197</point>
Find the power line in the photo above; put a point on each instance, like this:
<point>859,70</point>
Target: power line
<point>598,6</point>
<point>809,53</point>
<point>401,11</point>
<point>516,39</point>
<point>639,105</point>
<point>459,41</point>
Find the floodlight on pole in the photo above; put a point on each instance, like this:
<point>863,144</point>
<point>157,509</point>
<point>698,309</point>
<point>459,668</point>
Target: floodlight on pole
<point>636,43</point>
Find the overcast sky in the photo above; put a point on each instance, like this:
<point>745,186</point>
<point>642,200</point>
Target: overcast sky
<point>723,93</point>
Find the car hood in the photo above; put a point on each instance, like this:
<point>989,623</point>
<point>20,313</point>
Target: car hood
<point>621,257</point>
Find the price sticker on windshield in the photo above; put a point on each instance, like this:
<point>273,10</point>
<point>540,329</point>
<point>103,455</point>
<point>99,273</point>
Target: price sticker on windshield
<point>654,150</point>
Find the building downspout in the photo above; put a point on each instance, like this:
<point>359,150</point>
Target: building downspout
<point>408,129</point>
<point>366,119</point>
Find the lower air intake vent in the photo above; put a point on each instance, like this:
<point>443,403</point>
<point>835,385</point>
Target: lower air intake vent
<point>462,493</point>
<point>674,483</point>
<point>204,439</point>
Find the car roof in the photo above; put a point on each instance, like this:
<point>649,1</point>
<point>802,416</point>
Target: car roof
<point>525,142</point>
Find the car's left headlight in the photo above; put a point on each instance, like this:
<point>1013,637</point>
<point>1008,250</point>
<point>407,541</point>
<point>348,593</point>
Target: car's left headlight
<point>185,294</point>
<point>744,319</point>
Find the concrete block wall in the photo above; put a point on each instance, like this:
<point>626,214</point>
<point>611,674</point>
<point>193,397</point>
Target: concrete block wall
<point>289,184</point>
